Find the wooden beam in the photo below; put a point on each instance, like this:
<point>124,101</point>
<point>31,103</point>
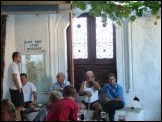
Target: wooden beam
<point>33,2</point>
<point>35,9</point>
<point>26,8</point>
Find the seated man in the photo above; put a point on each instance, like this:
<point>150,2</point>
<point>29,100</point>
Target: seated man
<point>112,96</point>
<point>60,83</point>
<point>89,91</point>
<point>28,90</point>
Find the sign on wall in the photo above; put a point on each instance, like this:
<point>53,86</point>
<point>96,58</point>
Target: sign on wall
<point>33,45</point>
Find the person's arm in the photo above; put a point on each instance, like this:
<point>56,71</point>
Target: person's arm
<point>16,82</point>
<point>120,94</point>
<point>54,87</point>
<point>81,106</point>
<point>103,94</point>
<point>81,89</point>
<point>117,98</point>
<point>96,85</point>
<point>34,92</point>
<point>35,96</point>
<point>66,82</point>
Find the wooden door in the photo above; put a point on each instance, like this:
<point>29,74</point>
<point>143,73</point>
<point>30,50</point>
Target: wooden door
<point>101,66</point>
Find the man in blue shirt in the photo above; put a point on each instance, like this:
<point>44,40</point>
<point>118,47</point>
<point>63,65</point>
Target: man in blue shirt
<point>112,97</point>
<point>61,83</point>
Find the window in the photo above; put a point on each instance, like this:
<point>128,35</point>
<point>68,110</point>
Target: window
<point>104,39</point>
<point>80,38</point>
<point>34,67</point>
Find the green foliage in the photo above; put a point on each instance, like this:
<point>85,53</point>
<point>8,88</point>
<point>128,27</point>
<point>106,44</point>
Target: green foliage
<point>117,10</point>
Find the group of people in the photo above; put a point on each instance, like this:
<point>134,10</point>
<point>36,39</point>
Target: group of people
<point>62,105</point>
<point>108,98</point>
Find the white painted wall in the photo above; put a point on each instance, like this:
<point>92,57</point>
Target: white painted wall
<point>9,49</point>
<point>145,48</point>
<point>51,29</point>
<point>146,65</point>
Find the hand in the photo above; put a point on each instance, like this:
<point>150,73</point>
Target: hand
<point>19,90</point>
<point>61,89</point>
<point>81,106</point>
<point>93,82</point>
<point>105,100</point>
<point>32,105</point>
<point>88,93</point>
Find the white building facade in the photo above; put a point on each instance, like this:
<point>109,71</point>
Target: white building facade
<point>138,54</point>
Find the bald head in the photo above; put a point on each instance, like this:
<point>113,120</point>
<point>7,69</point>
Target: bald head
<point>60,77</point>
<point>89,73</point>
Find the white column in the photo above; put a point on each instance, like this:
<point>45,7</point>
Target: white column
<point>130,56</point>
<point>127,56</point>
<point>58,45</point>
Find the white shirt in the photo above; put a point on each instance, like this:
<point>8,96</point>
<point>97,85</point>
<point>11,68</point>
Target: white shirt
<point>13,68</point>
<point>27,91</point>
<point>93,91</point>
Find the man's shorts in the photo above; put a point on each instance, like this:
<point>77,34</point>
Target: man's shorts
<point>17,98</point>
<point>87,104</point>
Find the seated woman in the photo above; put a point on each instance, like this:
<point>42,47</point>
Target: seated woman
<point>8,111</point>
<point>53,98</point>
<point>89,90</point>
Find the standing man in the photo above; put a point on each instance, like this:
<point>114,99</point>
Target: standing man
<point>113,97</point>
<point>15,86</point>
<point>60,83</point>
<point>29,91</point>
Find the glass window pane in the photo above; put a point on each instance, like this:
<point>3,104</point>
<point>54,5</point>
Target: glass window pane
<point>34,67</point>
<point>80,38</point>
<point>104,39</point>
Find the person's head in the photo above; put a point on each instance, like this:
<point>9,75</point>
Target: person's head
<point>8,111</point>
<point>112,78</point>
<point>69,91</point>
<point>16,57</point>
<point>90,75</point>
<point>54,97</point>
<point>23,77</point>
<point>60,77</point>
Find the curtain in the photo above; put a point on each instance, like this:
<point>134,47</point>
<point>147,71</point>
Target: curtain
<point>3,39</point>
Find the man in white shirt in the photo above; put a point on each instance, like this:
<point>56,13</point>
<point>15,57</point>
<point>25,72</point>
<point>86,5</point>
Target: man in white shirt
<point>15,86</point>
<point>28,90</point>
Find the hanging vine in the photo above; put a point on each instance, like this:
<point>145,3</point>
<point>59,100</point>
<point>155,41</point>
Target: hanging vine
<point>117,10</point>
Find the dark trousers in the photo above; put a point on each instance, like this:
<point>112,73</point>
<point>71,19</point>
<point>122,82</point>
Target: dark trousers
<point>111,106</point>
<point>17,98</point>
